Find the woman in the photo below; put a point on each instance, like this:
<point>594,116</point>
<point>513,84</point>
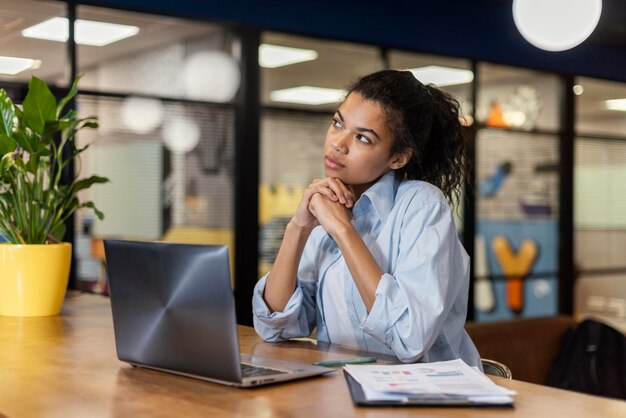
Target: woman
<point>371,257</point>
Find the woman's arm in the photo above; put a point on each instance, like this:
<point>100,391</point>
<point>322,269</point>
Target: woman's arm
<point>427,289</point>
<point>281,281</point>
<point>364,269</point>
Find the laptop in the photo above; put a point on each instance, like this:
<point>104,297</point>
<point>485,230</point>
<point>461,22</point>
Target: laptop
<point>174,311</point>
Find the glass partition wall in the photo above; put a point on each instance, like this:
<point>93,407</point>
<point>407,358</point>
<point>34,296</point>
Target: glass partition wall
<point>163,97</point>
<point>599,201</point>
<point>163,91</point>
<point>166,94</point>
<point>294,129</point>
<point>298,97</point>
<point>23,53</point>
<point>517,193</point>
<point>452,75</point>
<point>514,121</point>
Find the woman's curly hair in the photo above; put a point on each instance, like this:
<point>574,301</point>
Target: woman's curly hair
<point>425,120</point>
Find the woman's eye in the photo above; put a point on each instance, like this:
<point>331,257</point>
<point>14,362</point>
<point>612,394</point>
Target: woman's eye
<point>336,123</point>
<point>363,139</point>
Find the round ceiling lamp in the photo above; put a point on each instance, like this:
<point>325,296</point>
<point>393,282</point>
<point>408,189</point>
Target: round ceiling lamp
<point>181,134</point>
<point>142,115</point>
<point>212,76</point>
<point>556,25</point>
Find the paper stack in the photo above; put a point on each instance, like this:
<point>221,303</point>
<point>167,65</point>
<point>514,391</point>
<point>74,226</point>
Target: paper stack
<point>447,383</point>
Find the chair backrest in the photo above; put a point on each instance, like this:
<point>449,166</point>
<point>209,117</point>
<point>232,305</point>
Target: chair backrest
<point>526,345</point>
<point>495,368</point>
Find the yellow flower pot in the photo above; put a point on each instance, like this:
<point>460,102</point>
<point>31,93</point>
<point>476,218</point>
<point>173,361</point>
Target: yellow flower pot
<point>33,278</point>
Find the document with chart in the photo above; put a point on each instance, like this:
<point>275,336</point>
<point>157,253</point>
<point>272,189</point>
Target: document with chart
<point>441,383</point>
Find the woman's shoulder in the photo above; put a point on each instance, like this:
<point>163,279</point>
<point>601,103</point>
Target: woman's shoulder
<point>416,199</point>
<point>420,193</point>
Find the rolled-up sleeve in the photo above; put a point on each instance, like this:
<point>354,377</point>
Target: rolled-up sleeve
<point>412,303</point>
<point>299,316</point>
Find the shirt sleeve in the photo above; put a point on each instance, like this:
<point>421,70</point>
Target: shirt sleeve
<point>412,303</point>
<point>298,319</point>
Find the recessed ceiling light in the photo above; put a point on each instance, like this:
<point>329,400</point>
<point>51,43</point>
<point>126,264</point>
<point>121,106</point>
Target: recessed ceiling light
<point>272,56</point>
<point>616,104</point>
<point>14,65</point>
<point>88,32</point>
<point>308,95</point>
<point>578,89</point>
<point>442,76</point>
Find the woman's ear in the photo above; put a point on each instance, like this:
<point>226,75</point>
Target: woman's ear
<point>400,159</point>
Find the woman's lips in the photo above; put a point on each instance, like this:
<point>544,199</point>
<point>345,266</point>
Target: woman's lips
<point>332,163</point>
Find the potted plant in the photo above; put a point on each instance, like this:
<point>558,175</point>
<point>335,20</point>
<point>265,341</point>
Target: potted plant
<point>37,142</point>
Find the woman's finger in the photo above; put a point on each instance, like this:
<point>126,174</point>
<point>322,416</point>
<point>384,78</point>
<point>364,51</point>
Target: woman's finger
<point>322,189</point>
<point>341,190</point>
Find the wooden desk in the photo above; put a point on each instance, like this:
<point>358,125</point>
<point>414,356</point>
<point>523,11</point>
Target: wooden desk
<point>66,366</point>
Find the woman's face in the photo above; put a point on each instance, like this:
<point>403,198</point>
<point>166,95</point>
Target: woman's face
<point>358,145</point>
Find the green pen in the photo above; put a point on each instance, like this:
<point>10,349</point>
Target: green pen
<point>343,362</point>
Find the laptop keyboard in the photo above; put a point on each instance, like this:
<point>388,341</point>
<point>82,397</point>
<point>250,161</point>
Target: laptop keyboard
<point>249,370</point>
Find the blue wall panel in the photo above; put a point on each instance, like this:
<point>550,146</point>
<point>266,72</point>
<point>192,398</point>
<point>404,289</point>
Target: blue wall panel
<point>539,293</point>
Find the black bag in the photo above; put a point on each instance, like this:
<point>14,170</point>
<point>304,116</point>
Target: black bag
<point>592,360</point>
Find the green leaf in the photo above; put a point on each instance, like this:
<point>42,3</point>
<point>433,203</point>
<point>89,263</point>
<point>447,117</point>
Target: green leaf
<point>59,232</point>
<point>92,125</point>
<point>91,205</point>
<point>7,113</point>
<point>39,105</point>
<point>30,141</point>
<point>6,162</point>
<point>70,95</point>
<point>7,144</point>
<point>88,182</point>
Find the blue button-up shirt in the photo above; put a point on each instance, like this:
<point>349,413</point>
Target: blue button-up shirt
<point>421,300</point>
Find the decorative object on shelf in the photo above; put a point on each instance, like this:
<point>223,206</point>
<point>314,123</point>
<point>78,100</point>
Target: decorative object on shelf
<point>495,118</point>
<point>37,144</point>
<point>490,185</point>
<point>537,200</point>
<point>484,298</point>
<point>524,107</point>
<point>515,267</point>
<point>519,109</point>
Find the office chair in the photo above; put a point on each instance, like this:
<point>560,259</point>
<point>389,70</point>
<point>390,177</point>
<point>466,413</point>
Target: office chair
<point>495,368</point>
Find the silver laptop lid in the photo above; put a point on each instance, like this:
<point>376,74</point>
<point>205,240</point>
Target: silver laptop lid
<point>173,307</point>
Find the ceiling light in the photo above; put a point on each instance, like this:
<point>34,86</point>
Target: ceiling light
<point>272,56</point>
<point>88,32</point>
<point>578,89</point>
<point>442,76</point>
<point>616,104</point>
<point>556,25</point>
<point>308,95</point>
<point>14,65</point>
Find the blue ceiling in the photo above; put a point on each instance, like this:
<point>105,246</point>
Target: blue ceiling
<point>476,29</point>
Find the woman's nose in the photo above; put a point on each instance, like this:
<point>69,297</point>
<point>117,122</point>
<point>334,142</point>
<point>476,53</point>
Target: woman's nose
<point>340,143</point>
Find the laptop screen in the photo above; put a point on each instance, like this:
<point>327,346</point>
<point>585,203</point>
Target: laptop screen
<point>173,307</point>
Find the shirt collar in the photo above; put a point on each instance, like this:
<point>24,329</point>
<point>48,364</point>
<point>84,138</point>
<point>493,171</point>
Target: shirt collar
<point>382,194</point>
